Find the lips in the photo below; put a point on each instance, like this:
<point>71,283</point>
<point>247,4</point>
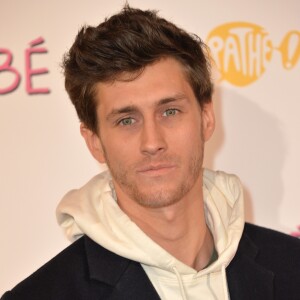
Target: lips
<point>156,169</point>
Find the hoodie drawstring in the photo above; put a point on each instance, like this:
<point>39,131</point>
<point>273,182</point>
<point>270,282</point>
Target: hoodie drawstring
<point>182,291</point>
<point>224,281</point>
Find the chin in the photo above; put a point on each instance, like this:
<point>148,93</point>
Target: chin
<point>157,199</point>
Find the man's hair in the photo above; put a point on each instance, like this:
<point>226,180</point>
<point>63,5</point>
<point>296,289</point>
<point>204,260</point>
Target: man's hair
<point>126,43</point>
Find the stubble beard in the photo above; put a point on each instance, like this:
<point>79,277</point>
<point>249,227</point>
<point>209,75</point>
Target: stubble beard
<point>157,197</point>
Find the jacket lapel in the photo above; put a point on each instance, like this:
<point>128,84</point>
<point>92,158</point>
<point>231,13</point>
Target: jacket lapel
<point>134,284</point>
<point>127,278</point>
<point>246,278</point>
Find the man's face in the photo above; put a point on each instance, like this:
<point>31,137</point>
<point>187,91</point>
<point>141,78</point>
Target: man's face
<point>151,135</point>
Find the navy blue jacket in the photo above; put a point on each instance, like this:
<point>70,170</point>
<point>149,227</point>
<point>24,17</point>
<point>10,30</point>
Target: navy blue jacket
<point>266,266</point>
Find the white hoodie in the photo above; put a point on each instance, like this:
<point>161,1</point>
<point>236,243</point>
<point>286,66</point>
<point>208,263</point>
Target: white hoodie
<point>92,210</point>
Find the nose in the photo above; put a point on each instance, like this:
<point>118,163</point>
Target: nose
<point>152,138</point>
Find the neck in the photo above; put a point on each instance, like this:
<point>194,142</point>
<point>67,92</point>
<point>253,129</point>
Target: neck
<point>179,228</point>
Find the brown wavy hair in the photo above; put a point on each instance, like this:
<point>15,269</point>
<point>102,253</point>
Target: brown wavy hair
<point>126,43</point>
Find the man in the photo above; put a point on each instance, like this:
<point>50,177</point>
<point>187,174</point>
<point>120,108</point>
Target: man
<point>156,225</point>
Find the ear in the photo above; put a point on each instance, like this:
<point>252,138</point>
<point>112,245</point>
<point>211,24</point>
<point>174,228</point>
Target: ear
<point>208,120</point>
<point>93,143</point>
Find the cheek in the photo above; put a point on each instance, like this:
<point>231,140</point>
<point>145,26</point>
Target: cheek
<point>119,151</point>
<point>189,134</point>
<point>186,143</point>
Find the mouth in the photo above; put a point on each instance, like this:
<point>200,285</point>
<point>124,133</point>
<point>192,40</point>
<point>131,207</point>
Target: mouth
<point>156,170</point>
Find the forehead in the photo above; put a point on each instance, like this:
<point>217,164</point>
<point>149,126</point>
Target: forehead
<point>162,79</point>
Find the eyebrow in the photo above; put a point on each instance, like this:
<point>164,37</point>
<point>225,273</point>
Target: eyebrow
<point>133,108</point>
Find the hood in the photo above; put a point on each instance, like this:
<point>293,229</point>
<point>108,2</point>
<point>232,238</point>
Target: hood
<point>93,210</point>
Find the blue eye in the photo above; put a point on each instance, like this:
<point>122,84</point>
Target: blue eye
<point>127,121</point>
<point>170,112</point>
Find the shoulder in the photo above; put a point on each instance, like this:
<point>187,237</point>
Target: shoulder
<point>277,251</point>
<point>266,265</point>
<point>67,260</point>
<point>66,276</point>
<point>271,239</point>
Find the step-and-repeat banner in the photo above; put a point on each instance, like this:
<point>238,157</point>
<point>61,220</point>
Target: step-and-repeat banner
<point>256,49</point>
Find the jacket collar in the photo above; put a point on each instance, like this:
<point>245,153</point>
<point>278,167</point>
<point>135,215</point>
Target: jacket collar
<point>246,278</point>
<point>128,279</point>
